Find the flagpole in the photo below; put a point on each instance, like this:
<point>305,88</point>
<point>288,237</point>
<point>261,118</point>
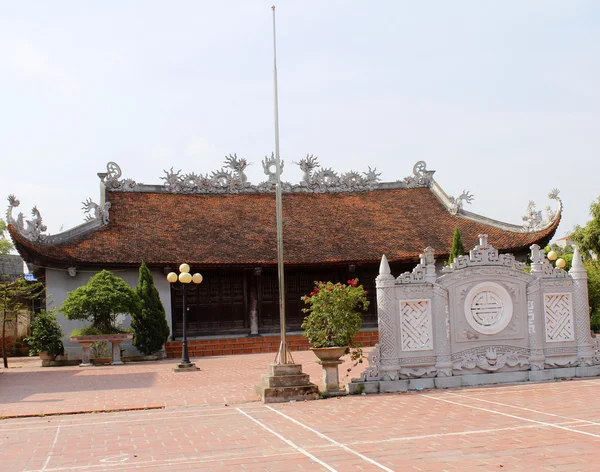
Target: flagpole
<point>283,355</point>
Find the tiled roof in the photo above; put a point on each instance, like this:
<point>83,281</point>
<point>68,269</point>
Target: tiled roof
<point>230,229</point>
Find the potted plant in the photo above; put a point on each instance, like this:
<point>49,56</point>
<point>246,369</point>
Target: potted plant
<point>46,336</point>
<point>334,317</point>
<point>101,301</point>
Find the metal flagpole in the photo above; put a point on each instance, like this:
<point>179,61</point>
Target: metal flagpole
<point>283,355</point>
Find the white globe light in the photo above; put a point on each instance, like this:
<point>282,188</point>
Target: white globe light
<point>197,278</point>
<point>552,255</point>
<point>561,263</point>
<point>184,268</point>
<point>172,277</point>
<point>185,277</point>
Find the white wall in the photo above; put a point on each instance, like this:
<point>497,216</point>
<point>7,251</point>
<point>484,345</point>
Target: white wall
<point>59,283</point>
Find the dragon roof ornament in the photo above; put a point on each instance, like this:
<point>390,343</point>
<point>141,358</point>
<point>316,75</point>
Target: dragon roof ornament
<point>31,229</point>
<point>533,219</point>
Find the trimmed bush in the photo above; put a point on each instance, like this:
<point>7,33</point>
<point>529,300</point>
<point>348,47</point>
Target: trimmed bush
<point>150,323</point>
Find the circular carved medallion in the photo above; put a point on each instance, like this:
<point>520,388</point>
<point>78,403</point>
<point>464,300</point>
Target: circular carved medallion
<point>488,308</point>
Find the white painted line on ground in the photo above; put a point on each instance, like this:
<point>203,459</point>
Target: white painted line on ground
<point>543,423</point>
<point>523,408</point>
<point>166,462</point>
<point>49,456</point>
<point>456,433</point>
<point>287,441</point>
<point>333,441</point>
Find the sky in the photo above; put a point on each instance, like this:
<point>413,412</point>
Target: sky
<point>500,98</point>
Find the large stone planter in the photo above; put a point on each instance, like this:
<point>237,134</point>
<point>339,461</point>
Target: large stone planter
<point>329,358</point>
<point>87,341</point>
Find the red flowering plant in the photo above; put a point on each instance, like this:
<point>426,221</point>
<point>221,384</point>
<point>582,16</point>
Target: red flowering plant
<point>334,314</point>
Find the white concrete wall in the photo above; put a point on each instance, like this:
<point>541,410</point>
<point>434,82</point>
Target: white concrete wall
<point>59,283</point>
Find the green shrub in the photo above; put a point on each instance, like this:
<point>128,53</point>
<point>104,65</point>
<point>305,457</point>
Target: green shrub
<point>334,313</point>
<point>46,335</point>
<point>150,322</point>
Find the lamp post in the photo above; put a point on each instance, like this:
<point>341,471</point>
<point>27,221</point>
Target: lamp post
<point>185,278</point>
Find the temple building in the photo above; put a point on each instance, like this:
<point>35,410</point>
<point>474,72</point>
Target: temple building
<point>336,227</point>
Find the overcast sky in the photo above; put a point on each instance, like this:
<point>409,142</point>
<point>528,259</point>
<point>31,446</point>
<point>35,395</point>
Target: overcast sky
<point>500,98</point>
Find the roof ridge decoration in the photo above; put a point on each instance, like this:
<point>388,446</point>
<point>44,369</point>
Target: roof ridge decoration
<point>533,220</point>
<point>30,229</point>
<point>483,254</point>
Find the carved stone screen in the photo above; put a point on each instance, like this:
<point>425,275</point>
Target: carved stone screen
<point>487,318</point>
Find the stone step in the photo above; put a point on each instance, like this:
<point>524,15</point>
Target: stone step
<point>285,394</point>
<point>285,380</point>
<point>275,370</point>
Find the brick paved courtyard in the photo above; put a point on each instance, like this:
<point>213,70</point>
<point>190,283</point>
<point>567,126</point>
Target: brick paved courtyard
<point>210,421</point>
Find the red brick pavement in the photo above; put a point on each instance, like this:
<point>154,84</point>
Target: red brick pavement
<point>26,388</point>
<point>545,426</point>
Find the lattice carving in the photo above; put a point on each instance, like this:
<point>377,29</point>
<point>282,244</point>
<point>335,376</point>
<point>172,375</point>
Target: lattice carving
<point>558,311</point>
<point>415,325</point>
<point>387,328</point>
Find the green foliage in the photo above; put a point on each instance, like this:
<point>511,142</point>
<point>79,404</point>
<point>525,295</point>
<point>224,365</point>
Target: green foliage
<point>150,323</point>
<point>588,237</point>
<point>15,297</point>
<point>334,313</point>
<point>86,331</point>
<point>5,245</point>
<point>100,301</point>
<point>593,271</point>
<point>457,247</point>
<point>46,334</point>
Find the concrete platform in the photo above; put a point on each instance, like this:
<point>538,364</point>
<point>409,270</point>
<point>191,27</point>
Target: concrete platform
<point>471,380</point>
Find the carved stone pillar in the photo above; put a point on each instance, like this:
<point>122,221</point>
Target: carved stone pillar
<point>441,332</point>
<point>386,313</point>
<point>535,325</point>
<point>254,288</point>
<point>585,350</point>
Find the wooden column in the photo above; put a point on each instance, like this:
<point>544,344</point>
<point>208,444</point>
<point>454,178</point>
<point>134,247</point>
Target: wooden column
<point>254,297</point>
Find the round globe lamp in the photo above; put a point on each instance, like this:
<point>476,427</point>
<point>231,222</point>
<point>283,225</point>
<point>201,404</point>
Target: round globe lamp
<point>197,278</point>
<point>552,255</point>
<point>561,263</point>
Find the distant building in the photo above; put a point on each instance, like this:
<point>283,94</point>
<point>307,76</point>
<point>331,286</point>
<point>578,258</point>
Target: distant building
<point>563,242</point>
<point>336,227</point>
<point>11,267</point>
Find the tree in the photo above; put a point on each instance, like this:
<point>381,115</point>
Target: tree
<point>593,270</point>
<point>588,237</point>
<point>149,323</point>
<point>101,301</point>
<point>457,247</point>
<point>5,245</point>
<point>15,298</point>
